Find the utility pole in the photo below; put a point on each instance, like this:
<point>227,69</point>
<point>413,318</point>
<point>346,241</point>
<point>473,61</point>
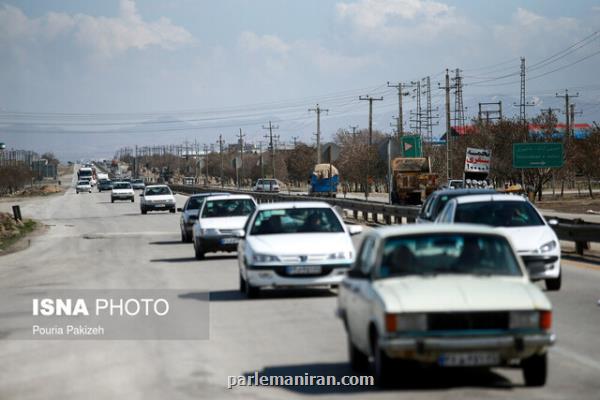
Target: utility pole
<point>447,88</point>
<point>399,120</point>
<point>418,114</point>
<point>206,161</point>
<point>262,164</point>
<point>241,143</point>
<point>295,139</point>
<point>318,110</point>
<point>354,128</point>
<point>567,111</point>
<point>272,145</point>
<point>221,142</point>
<point>522,114</point>
<point>459,109</point>
<point>370,99</point>
<point>428,116</point>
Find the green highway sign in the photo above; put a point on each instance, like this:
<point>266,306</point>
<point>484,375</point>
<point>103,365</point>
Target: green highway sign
<point>411,146</point>
<point>538,155</point>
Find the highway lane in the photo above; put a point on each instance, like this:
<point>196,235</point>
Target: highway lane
<point>91,243</point>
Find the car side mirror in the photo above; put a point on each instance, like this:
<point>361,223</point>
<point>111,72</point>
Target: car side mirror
<point>354,229</point>
<point>553,222</point>
<point>141,194</point>
<point>357,274</point>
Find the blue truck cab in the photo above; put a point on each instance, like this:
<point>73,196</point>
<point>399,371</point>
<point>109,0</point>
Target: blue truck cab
<point>324,181</point>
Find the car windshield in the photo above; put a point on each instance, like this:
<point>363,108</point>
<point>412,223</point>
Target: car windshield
<point>122,185</point>
<point>137,181</point>
<point>296,220</point>
<point>458,253</point>
<point>83,182</point>
<point>498,213</point>
<point>157,191</point>
<point>228,208</point>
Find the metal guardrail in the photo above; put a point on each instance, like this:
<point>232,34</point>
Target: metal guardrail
<point>576,230</point>
<point>357,209</point>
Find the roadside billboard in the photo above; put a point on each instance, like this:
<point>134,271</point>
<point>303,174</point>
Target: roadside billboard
<point>478,160</point>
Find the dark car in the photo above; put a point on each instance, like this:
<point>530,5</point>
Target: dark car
<point>189,213</point>
<point>138,184</point>
<point>437,200</point>
<point>105,184</point>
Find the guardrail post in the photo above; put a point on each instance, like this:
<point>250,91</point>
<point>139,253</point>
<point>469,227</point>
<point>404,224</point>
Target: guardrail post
<point>388,219</point>
<point>580,246</point>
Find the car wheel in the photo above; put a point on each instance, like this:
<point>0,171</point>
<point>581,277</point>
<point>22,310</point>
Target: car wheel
<point>144,212</point>
<point>172,211</point>
<point>252,292</point>
<point>242,284</point>
<point>132,199</point>
<point>382,366</point>
<point>359,361</point>
<point>199,253</point>
<point>554,284</point>
<point>184,238</point>
<point>535,370</point>
<point>112,200</point>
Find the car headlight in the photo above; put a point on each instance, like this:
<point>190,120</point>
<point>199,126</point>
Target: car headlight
<point>340,255</point>
<point>524,319</point>
<point>547,247</point>
<point>209,232</point>
<point>264,258</point>
<point>405,322</point>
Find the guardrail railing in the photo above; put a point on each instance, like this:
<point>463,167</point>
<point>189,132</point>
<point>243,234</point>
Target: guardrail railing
<point>576,230</point>
<point>356,209</point>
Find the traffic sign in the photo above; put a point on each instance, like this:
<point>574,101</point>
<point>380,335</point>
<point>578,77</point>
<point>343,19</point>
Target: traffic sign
<point>538,155</point>
<point>335,152</point>
<point>411,146</point>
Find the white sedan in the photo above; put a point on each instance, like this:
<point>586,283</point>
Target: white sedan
<point>443,295</point>
<point>294,245</point>
<point>122,191</point>
<point>83,186</point>
<point>219,220</point>
<point>530,233</point>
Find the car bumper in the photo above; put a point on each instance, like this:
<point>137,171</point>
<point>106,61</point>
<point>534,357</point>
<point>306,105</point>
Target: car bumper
<point>277,276</point>
<point>429,349</point>
<point>226,243</point>
<point>122,196</point>
<point>539,266</point>
<point>158,207</point>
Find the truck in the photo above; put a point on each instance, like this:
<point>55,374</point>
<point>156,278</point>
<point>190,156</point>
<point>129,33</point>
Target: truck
<point>412,180</point>
<point>324,181</point>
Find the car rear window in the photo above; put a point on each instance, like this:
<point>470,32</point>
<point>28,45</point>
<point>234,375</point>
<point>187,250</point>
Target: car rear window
<point>498,213</point>
<point>296,220</point>
<point>228,208</point>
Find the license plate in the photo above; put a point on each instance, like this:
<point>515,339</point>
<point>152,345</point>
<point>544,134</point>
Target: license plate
<point>230,241</point>
<point>303,269</point>
<point>473,359</point>
<point>159,205</point>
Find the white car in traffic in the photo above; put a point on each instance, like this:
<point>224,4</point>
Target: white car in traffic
<point>157,198</point>
<point>294,244</point>
<point>219,221</point>
<point>83,185</point>
<point>531,235</point>
<point>122,191</point>
<point>443,295</point>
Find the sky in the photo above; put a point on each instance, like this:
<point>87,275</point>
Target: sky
<point>83,78</point>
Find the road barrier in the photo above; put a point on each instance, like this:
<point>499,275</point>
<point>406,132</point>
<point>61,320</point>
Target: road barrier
<point>576,230</point>
<point>378,213</point>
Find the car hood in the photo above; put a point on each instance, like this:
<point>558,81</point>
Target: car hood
<point>223,223</point>
<point>529,238</point>
<point>459,293</point>
<point>301,243</point>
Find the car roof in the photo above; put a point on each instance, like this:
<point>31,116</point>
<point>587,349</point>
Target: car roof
<point>230,197</point>
<point>488,197</point>
<point>209,194</point>
<point>154,186</point>
<point>462,192</point>
<point>293,204</point>
<point>418,229</point>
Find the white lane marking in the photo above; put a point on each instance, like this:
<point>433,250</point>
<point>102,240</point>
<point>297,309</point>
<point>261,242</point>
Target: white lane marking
<point>580,358</point>
<point>99,235</point>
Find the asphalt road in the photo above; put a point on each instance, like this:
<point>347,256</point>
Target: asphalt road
<point>91,243</point>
